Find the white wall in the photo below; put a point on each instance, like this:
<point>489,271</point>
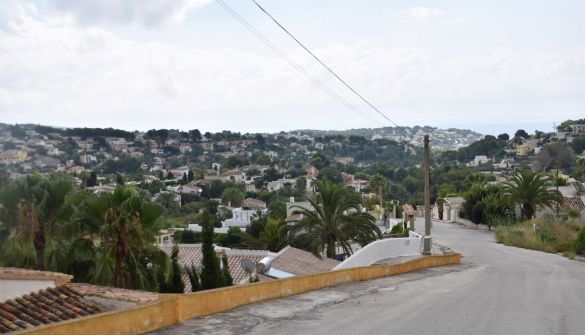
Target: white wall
<point>15,288</point>
<point>197,228</point>
<point>382,249</point>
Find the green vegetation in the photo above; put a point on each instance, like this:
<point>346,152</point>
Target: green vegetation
<point>337,220</point>
<point>530,189</point>
<point>546,235</point>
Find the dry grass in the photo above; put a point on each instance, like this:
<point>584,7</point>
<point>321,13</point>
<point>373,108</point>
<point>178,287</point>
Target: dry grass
<point>546,235</point>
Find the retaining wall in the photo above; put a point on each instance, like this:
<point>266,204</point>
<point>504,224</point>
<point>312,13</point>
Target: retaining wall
<point>175,308</point>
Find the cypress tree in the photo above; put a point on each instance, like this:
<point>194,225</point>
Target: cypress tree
<point>227,277</point>
<point>161,281</point>
<point>175,284</point>
<point>211,276</point>
<point>193,278</point>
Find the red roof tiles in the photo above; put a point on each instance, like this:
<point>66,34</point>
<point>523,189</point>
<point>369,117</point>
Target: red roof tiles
<point>46,306</point>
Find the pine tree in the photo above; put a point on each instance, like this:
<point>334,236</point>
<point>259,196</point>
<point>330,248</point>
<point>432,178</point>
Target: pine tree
<point>193,278</point>
<point>227,277</point>
<point>190,176</point>
<point>211,276</point>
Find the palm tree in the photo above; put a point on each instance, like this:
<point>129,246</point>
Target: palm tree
<point>168,201</point>
<point>273,237</point>
<point>32,206</point>
<point>126,222</point>
<point>336,218</point>
<point>529,189</point>
<point>580,168</point>
<point>379,183</point>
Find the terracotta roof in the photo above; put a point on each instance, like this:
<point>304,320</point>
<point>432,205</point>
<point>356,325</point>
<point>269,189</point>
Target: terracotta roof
<point>190,254</point>
<point>572,203</point>
<point>300,262</point>
<point>46,306</point>
<point>253,203</point>
<point>27,274</point>
<point>114,293</point>
<point>408,209</point>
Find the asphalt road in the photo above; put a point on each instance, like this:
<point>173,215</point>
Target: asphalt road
<point>497,290</point>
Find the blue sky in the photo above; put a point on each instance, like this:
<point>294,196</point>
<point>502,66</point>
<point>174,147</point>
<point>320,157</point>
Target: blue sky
<point>490,66</point>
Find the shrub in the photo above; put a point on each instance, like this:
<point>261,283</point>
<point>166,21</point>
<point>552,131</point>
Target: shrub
<point>579,243</point>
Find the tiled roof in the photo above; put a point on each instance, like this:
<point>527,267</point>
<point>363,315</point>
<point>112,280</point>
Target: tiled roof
<point>300,262</point>
<point>190,254</point>
<point>408,210</point>
<point>27,274</point>
<point>114,293</point>
<point>46,306</point>
<point>572,203</point>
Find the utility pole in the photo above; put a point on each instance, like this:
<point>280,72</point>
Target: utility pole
<point>427,241</point>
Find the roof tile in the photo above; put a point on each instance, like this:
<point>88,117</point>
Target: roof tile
<point>46,306</point>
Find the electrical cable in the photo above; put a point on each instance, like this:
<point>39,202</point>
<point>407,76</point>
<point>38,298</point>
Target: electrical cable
<point>294,64</point>
<point>325,66</point>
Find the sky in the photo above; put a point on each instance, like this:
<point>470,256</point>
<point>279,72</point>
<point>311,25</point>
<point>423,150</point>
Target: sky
<point>490,66</point>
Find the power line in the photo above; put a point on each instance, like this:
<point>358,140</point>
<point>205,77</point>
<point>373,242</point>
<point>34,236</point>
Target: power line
<point>324,65</point>
<point>294,64</point>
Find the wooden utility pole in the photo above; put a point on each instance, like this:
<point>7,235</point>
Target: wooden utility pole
<point>427,241</point>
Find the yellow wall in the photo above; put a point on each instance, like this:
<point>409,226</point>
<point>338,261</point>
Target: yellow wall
<point>174,308</point>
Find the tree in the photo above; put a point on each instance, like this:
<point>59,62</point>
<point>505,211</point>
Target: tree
<point>175,284</point>
<point>211,276</point>
<point>190,176</point>
<point>119,179</point>
<point>504,137</point>
<point>225,271</point>
<point>272,237</point>
<point>330,174</point>
<point>193,278</point>
<point>32,206</point>
<point>168,201</point>
<point>580,168</point>
<point>529,189</point>
<point>521,133</point>
<point>195,135</point>
<point>232,196</point>
<point>91,180</point>
<point>125,222</point>
<point>335,219</point>
<point>554,155</point>
<point>379,183</point>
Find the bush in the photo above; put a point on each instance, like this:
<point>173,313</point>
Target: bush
<point>397,229</point>
<point>546,235</point>
<point>579,244</point>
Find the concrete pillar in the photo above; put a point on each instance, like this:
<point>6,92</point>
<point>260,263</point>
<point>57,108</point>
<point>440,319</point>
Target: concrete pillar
<point>427,241</point>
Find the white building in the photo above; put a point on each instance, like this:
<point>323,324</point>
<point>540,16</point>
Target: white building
<point>241,217</point>
<point>578,128</point>
<point>478,160</point>
<point>280,184</point>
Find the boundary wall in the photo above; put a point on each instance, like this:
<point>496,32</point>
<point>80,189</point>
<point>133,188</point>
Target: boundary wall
<point>175,308</point>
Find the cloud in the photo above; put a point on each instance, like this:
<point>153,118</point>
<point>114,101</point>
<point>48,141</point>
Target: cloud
<point>423,12</point>
<point>146,12</point>
<point>58,73</point>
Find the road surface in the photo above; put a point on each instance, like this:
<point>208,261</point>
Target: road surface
<point>497,290</point>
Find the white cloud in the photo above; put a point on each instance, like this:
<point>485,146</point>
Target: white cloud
<point>53,72</point>
<point>423,12</point>
<point>146,12</point>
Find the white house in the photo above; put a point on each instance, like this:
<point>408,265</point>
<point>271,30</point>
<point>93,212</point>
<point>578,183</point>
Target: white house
<point>478,160</point>
<point>578,128</point>
<point>280,184</point>
<point>241,217</point>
